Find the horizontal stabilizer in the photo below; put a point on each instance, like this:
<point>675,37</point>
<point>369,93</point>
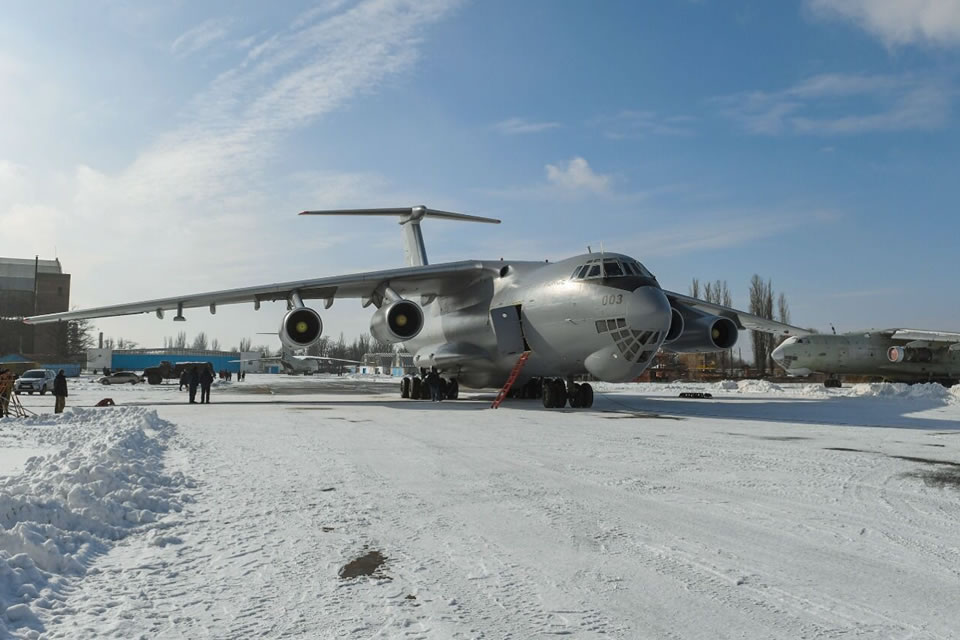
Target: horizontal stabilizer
<point>407,214</point>
<point>410,217</point>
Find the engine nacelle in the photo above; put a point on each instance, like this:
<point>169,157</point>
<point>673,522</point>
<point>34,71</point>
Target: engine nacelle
<point>397,321</point>
<point>300,328</point>
<point>901,354</point>
<point>702,332</point>
<point>676,326</point>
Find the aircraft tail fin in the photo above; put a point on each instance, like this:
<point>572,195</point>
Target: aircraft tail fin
<point>410,217</point>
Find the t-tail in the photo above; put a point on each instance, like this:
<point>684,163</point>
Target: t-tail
<point>410,217</point>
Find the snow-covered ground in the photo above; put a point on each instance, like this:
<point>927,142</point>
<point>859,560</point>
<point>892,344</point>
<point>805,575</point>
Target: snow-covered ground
<point>769,511</point>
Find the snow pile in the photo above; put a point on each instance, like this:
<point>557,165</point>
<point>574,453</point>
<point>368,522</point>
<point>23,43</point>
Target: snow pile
<point>927,391</point>
<point>105,482</point>
<point>748,386</point>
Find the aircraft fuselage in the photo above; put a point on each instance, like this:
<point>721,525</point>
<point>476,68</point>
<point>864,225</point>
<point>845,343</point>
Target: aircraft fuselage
<point>610,327</point>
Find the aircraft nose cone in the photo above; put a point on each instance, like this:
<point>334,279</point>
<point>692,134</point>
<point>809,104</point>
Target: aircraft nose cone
<point>778,354</point>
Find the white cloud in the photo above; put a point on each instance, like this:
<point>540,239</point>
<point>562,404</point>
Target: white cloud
<point>199,199</point>
<point>836,103</point>
<point>200,37</point>
<point>514,126</point>
<point>898,22</point>
<point>577,176</point>
<point>632,124</point>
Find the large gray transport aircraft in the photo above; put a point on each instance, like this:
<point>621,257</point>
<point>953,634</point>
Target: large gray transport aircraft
<point>602,314</point>
<point>899,355</point>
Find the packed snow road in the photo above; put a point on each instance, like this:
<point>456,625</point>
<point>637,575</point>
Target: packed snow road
<point>766,512</point>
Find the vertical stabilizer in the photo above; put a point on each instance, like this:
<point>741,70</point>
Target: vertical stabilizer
<point>414,250</point>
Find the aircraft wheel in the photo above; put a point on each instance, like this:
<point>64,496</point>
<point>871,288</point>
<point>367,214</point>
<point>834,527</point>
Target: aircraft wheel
<point>424,391</point>
<point>832,383</point>
<point>43,391</point>
<point>585,396</point>
<point>575,396</point>
<point>405,388</point>
<point>415,387</point>
<point>453,390</point>
<point>547,395</point>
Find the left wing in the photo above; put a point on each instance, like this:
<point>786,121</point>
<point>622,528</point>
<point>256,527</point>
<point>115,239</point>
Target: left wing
<point>741,319</point>
<point>436,279</point>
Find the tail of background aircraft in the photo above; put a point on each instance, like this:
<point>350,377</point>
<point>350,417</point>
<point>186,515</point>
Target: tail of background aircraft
<point>410,217</point>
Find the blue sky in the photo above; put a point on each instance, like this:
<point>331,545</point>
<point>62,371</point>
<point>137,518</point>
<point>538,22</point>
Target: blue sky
<point>165,148</point>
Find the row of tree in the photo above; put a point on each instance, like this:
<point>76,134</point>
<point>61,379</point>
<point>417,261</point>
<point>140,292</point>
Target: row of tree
<point>761,304</point>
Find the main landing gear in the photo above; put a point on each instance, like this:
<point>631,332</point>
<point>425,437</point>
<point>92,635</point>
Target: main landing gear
<point>832,383</point>
<point>414,388</point>
<point>556,394</point>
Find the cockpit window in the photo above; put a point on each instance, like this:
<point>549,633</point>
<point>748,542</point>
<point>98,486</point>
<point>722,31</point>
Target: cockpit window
<point>594,271</point>
<point>612,268</point>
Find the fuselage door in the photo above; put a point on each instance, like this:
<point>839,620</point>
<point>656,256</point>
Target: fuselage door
<point>508,329</point>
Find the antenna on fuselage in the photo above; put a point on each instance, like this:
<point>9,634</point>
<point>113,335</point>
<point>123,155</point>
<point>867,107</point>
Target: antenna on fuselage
<point>410,217</point>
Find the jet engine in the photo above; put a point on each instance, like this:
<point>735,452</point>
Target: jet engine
<point>301,327</point>
<point>700,332</point>
<point>901,354</point>
<point>676,326</point>
<point>397,321</point>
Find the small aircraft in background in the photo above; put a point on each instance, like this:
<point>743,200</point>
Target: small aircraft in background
<point>482,323</point>
<point>296,365</point>
<point>899,355</point>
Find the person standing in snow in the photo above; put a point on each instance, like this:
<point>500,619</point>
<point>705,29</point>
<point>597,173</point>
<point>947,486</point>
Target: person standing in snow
<point>184,378</point>
<point>60,392</point>
<point>206,380</point>
<point>192,383</point>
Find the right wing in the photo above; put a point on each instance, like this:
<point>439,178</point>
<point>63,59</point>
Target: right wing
<point>436,279</point>
<point>742,319</point>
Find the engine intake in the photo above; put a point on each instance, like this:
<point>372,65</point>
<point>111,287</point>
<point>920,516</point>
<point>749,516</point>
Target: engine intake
<point>701,332</point>
<point>397,322</point>
<point>300,328</point>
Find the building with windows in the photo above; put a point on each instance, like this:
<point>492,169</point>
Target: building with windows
<point>30,286</point>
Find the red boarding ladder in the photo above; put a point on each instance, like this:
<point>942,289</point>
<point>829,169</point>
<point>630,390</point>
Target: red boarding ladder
<point>522,360</point>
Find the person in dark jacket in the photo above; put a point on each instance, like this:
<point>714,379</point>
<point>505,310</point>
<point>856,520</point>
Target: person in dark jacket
<point>60,392</point>
<point>184,379</point>
<point>193,383</point>
<point>206,380</point>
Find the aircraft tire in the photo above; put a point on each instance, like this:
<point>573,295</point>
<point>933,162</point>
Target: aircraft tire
<point>584,396</point>
<point>424,391</point>
<point>405,388</point>
<point>575,396</point>
<point>415,386</point>
<point>547,395</point>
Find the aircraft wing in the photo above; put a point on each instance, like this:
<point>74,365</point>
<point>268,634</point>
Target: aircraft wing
<point>742,319</point>
<point>436,279</point>
<point>921,335</point>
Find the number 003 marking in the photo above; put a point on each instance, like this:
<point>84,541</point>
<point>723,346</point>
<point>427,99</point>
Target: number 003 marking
<point>614,298</point>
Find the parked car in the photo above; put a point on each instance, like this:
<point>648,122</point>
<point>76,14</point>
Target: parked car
<point>35,380</point>
<point>121,377</point>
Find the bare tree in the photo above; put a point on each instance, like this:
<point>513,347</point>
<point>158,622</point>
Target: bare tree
<point>695,288</point>
<point>245,345</point>
<point>181,341</point>
<point>200,342</point>
<point>215,345</point>
<point>761,305</point>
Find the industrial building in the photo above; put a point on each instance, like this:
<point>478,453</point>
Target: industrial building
<point>140,359</point>
<point>30,286</point>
